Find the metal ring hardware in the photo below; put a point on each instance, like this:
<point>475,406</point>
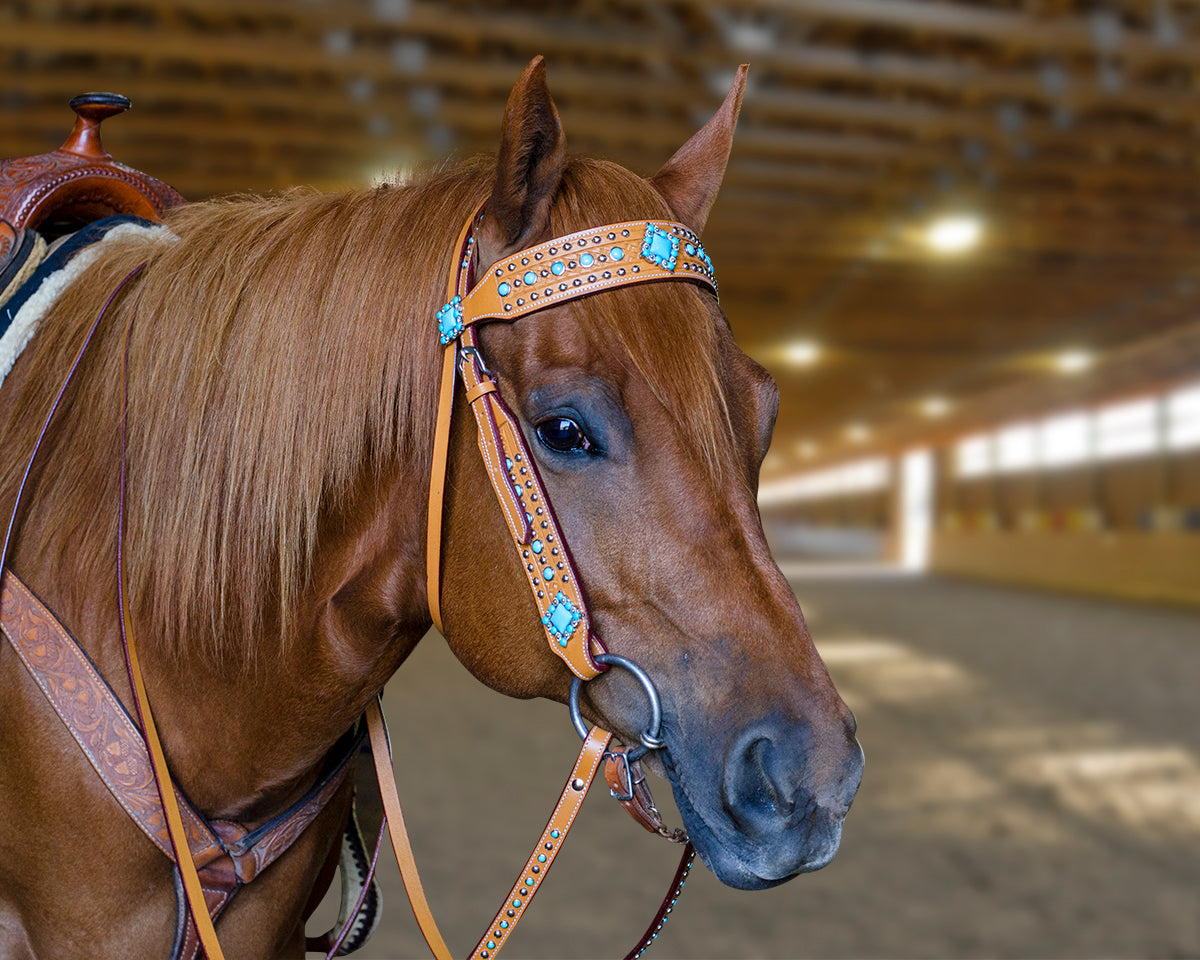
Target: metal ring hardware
<point>649,737</point>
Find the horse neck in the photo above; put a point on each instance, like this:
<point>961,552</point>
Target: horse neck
<point>245,731</point>
<point>245,735</point>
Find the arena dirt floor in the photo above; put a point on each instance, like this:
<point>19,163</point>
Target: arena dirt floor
<point>1032,789</point>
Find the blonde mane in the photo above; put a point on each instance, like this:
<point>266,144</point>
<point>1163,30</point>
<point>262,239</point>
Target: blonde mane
<point>283,352</point>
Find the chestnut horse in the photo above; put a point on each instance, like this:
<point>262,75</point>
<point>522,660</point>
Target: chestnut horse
<point>282,384</point>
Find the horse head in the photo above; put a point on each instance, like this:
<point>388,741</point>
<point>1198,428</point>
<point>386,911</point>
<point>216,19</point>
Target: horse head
<point>648,426</point>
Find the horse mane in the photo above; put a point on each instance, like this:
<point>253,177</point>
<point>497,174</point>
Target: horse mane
<point>283,351</point>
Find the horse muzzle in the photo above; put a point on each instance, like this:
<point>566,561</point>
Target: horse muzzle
<point>774,807</point>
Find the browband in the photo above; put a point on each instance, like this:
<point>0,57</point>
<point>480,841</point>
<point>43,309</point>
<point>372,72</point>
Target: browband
<point>542,276</point>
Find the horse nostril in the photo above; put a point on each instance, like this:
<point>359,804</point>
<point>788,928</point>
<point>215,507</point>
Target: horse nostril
<point>761,754</point>
<point>758,790</point>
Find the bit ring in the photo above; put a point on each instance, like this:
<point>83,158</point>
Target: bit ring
<point>650,739</point>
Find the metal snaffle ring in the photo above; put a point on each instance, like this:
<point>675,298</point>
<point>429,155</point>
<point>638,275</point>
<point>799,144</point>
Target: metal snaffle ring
<point>650,736</point>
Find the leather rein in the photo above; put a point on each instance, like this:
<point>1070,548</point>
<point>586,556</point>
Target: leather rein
<point>214,860</point>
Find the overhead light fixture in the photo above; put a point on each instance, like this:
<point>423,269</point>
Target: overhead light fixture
<point>806,449</point>
<point>1074,361</point>
<point>801,353</point>
<point>953,234</point>
<point>858,433</point>
<point>935,406</point>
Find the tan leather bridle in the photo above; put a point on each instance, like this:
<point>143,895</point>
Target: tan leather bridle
<point>542,276</point>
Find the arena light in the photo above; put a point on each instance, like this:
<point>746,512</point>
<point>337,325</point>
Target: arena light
<point>806,449</point>
<point>935,407</point>
<point>954,234</point>
<point>858,433</point>
<point>802,353</point>
<point>1073,361</point>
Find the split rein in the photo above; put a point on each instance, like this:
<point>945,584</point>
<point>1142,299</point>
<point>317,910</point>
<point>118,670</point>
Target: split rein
<point>542,276</point>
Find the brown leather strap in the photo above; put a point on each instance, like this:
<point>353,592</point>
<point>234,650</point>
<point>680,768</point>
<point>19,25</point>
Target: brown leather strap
<point>437,486</point>
<point>587,262</point>
<point>456,285</point>
<point>627,784</point>
<point>93,716</point>
<point>197,904</point>
<point>548,845</point>
<point>668,903</point>
<point>521,494</point>
<point>399,834</point>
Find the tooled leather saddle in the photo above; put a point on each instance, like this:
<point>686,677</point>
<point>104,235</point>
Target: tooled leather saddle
<point>55,193</point>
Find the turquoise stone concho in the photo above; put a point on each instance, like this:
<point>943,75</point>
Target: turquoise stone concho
<point>449,319</point>
<point>562,618</point>
<point>660,247</point>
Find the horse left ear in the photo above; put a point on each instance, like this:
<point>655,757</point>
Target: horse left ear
<point>689,181</point>
<point>533,152</point>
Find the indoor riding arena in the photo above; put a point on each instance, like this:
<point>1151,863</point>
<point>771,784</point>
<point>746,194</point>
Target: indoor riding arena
<point>963,237</point>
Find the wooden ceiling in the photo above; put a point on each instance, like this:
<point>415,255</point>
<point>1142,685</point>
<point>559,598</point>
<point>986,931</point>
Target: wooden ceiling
<point>1070,127</point>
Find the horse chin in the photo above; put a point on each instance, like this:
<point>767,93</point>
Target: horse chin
<point>745,864</point>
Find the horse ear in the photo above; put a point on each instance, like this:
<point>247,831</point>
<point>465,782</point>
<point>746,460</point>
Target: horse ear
<point>689,181</point>
<point>533,151</point>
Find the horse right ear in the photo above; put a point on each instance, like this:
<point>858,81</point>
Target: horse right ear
<point>533,151</point>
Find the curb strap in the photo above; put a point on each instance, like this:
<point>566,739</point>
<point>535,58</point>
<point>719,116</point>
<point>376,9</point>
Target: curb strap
<point>627,784</point>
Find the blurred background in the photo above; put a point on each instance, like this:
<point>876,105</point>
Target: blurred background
<point>963,236</point>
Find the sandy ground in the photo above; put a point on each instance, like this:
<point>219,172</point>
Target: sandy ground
<point>1032,790</point>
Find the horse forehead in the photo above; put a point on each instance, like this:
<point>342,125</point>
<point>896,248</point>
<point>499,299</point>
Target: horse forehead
<point>557,338</point>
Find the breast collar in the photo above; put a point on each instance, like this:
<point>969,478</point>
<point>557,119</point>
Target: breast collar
<point>546,275</point>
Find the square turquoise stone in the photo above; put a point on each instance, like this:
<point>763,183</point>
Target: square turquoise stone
<point>660,247</point>
<point>561,618</point>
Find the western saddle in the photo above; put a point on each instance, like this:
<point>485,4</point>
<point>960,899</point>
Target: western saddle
<point>52,194</point>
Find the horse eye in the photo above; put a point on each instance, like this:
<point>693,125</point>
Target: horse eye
<point>563,435</point>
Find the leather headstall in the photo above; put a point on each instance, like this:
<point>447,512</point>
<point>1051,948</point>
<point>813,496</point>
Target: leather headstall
<point>543,276</point>
<point>547,275</point>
